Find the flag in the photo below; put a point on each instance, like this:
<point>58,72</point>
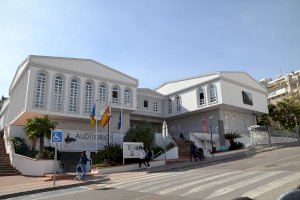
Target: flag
<point>92,116</point>
<point>105,117</point>
<point>120,120</point>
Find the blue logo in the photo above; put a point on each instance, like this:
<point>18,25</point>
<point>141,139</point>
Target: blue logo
<point>56,136</point>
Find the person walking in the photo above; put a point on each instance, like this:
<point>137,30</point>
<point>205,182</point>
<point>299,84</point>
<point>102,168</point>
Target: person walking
<point>83,161</point>
<point>142,155</point>
<point>192,151</point>
<point>148,157</point>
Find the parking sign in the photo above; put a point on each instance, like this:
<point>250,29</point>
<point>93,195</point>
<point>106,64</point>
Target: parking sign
<point>56,136</point>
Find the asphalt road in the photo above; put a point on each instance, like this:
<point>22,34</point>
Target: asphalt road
<point>264,176</point>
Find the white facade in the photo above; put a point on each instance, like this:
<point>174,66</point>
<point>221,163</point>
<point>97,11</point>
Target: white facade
<point>66,89</point>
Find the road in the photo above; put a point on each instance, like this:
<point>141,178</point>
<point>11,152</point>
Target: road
<point>264,176</point>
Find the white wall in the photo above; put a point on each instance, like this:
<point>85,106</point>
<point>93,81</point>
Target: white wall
<point>232,95</point>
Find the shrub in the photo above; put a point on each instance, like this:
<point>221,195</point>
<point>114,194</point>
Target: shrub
<point>112,155</point>
<point>48,153</point>
<point>141,133</point>
<point>236,145</point>
<point>19,145</point>
<point>157,149</point>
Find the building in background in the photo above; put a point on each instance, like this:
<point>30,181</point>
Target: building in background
<point>282,87</point>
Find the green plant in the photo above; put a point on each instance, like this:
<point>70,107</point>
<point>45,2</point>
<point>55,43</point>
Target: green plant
<point>141,133</point>
<point>236,145</point>
<point>111,155</point>
<point>39,127</point>
<point>157,149</point>
<point>231,137</point>
<point>19,145</point>
<point>48,153</point>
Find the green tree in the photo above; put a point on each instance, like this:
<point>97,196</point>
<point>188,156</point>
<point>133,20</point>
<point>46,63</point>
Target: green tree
<point>141,133</point>
<point>231,137</point>
<point>39,127</point>
<point>286,112</point>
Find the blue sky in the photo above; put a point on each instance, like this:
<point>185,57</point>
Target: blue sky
<point>155,41</point>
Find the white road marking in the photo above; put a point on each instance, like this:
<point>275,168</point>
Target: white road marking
<point>141,181</point>
<point>219,182</point>
<point>135,178</point>
<point>178,187</point>
<point>171,181</point>
<point>271,186</point>
<point>228,189</point>
<point>51,194</point>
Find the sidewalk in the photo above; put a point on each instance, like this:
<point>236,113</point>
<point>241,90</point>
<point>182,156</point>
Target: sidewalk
<point>12,186</point>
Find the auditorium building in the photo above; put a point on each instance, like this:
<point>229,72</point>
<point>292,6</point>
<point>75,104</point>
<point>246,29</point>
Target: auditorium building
<point>66,89</point>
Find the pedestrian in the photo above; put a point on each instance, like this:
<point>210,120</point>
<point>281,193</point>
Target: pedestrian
<point>78,172</point>
<point>192,151</point>
<point>148,157</point>
<point>83,161</point>
<point>142,155</point>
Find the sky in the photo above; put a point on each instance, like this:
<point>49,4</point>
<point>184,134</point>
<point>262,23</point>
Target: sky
<point>154,40</point>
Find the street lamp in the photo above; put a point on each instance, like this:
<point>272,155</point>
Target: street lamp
<point>211,137</point>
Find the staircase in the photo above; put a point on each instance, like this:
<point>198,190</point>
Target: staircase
<point>183,148</point>
<point>6,169</point>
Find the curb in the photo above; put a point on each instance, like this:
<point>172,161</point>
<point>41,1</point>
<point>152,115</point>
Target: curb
<point>6,196</point>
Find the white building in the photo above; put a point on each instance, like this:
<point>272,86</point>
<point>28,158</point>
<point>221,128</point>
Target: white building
<point>66,88</point>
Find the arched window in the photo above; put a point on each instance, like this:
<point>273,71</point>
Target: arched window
<point>178,103</point>
<point>115,95</point>
<point>127,97</point>
<point>88,97</point>
<point>40,95</point>
<point>201,96</point>
<point>212,93</point>
<point>102,93</point>
<point>170,106</point>
<point>73,96</point>
<point>57,93</point>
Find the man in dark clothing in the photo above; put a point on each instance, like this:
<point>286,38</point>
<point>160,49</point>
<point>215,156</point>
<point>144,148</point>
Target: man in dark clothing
<point>192,151</point>
<point>83,161</point>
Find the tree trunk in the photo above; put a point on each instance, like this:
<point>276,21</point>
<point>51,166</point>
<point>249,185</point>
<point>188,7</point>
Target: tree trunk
<point>42,146</point>
<point>33,143</point>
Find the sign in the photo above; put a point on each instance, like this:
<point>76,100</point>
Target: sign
<point>56,136</point>
<point>78,140</point>
<point>131,149</point>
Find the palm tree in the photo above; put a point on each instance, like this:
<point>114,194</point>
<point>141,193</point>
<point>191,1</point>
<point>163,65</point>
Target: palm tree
<point>39,127</point>
<point>231,137</point>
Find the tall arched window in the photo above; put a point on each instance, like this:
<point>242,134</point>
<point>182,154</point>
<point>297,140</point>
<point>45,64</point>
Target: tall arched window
<point>201,96</point>
<point>127,97</point>
<point>57,93</point>
<point>178,103</point>
<point>170,106</point>
<point>40,95</point>
<point>115,95</point>
<point>88,97</point>
<point>102,93</point>
<point>73,96</point>
<point>212,93</point>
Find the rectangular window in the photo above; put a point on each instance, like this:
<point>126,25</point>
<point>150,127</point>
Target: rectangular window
<point>202,100</point>
<point>146,104</point>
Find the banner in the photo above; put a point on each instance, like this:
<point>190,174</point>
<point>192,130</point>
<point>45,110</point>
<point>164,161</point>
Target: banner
<point>131,149</point>
<point>78,140</point>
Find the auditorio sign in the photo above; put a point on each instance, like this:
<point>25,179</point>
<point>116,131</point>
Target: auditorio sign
<point>77,140</point>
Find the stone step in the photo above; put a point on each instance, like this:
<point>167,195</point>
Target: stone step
<point>10,174</point>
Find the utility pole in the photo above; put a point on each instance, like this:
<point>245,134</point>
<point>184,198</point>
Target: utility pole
<point>211,137</point>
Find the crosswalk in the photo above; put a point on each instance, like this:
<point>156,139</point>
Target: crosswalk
<point>209,184</point>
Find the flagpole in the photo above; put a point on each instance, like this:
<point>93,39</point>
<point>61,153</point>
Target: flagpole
<point>108,124</point>
<point>121,128</point>
<point>96,126</point>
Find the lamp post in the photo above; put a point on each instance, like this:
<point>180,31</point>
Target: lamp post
<point>211,137</point>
